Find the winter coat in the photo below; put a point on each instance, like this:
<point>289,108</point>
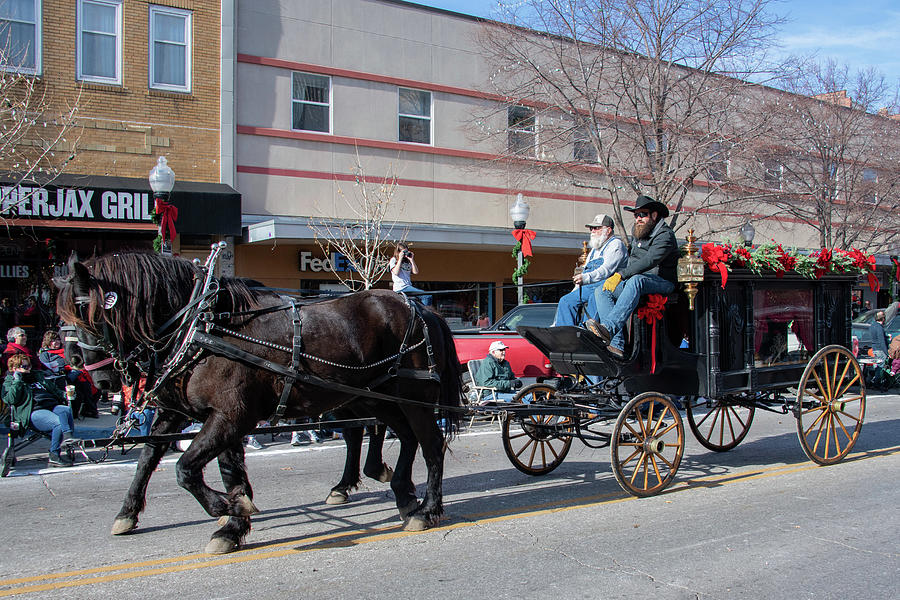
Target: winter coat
<point>19,396</point>
<point>657,255</point>
<point>495,373</point>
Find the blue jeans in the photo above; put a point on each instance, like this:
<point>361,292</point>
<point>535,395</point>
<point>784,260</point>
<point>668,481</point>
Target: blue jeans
<point>613,308</point>
<point>411,289</point>
<point>57,421</point>
<point>567,309</point>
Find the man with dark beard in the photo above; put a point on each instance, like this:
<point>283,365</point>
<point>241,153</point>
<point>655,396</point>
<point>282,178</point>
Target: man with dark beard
<point>607,254</point>
<point>651,269</point>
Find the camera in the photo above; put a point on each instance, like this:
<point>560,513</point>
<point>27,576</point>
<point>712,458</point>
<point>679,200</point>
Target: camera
<point>407,254</point>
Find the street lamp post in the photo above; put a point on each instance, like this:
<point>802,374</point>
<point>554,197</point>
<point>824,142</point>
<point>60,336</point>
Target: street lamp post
<point>518,212</point>
<point>162,180</point>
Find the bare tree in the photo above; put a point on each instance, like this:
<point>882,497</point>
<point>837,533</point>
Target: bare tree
<point>643,96</point>
<point>364,232</point>
<point>837,148</point>
<point>38,132</point>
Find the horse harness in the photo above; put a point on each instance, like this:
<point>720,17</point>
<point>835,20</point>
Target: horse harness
<point>200,331</point>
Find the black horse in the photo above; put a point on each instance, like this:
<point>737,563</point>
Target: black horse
<point>121,300</point>
<point>172,422</point>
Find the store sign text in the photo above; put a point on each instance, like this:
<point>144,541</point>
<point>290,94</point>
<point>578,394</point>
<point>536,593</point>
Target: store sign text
<point>14,271</point>
<point>308,262</point>
<point>72,203</point>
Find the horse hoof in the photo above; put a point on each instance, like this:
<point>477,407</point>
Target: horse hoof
<point>386,474</point>
<point>406,510</point>
<point>245,506</point>
<point>122,526</point>
<point>220,546</point>
<point>222,521</point>
<point>336,497</point>
<point>415,524</point>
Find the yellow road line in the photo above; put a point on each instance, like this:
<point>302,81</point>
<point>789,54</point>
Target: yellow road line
<point>190,562</point>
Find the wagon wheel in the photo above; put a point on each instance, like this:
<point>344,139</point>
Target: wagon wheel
<point>829,413</point>
<point>9,459</point>
<point>647,444</point>
<point>718,424</point>
<point>534,443</point>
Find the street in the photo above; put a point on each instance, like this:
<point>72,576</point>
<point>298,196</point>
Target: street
<point>760,521</point>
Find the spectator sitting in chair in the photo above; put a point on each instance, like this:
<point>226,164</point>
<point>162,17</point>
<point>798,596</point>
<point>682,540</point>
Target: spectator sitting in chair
<point>17,340</point>
<point>651,269</point>
<point>52,356</point>
<point>40,404</point>
<point>607,255</point>
<point>495,372</point>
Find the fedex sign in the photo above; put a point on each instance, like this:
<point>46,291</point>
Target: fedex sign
<point>309,262</point>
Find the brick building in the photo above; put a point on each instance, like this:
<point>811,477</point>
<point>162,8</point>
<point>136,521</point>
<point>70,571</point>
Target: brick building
<point>147,81</point>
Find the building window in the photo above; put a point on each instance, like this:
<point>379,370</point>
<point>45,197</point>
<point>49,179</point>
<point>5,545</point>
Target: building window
<point>99,41</point>
<point>717,162</point>
<point>870,183</point>
<point>20,36</point>
<point>520,130</point>
<point>773,175</point>
<point>311,102</point>
<point>414,114</point>
<point>170,49</point>
<point>583,148</point>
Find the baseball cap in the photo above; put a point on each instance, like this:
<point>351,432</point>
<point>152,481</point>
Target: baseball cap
<point>498,345</point>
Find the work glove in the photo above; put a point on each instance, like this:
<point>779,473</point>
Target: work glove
<point>612,281</point>
<point>516,384</point>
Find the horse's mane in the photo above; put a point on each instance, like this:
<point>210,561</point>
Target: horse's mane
<point>150,288</point>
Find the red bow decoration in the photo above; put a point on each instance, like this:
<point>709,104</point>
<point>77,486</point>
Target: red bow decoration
<point>874,284</point>
<point>716,258</point>
<point>168,214</point>
<point>651,313</point>
<point>524,236</point>
<point>896,262</point>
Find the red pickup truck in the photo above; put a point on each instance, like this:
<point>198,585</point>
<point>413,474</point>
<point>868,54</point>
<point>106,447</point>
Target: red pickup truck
<point>525,359</point>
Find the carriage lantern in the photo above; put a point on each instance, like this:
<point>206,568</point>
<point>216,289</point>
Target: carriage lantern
<point>690,269</point>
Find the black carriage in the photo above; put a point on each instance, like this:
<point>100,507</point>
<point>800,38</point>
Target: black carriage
<point>760,343</point>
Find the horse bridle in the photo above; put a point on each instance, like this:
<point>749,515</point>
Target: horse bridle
<point>108,344</point>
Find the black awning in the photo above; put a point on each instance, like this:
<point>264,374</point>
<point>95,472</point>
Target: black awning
<point>203,208</point>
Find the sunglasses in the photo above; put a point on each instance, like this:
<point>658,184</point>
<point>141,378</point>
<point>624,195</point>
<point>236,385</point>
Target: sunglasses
<point>595,228</point>
<point>641,214</point>
<point>25,366</point>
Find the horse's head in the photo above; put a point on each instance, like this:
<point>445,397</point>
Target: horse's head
<point>89,307</point>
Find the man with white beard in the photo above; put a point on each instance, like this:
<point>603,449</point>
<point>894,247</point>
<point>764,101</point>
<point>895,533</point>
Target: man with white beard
<point>608,254</point>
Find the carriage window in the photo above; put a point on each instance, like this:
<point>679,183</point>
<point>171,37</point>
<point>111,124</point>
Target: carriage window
<point>783,325</point>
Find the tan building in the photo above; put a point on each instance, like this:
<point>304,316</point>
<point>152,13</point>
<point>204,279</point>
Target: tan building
<point>336,92</point>
<point>147,81</point>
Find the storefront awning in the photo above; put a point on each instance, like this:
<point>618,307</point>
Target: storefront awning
<point>101,202</point>
<point>259,229</point>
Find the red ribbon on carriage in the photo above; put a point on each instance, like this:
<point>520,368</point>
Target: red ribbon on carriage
<point>524,236</point>
<point>168,214</point>
<point>651,313</point>
<point>716,258</point>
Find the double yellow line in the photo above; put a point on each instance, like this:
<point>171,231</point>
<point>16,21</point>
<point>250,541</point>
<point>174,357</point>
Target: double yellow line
<point>125,571</point>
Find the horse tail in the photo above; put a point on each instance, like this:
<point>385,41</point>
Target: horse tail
<point>451,395</point>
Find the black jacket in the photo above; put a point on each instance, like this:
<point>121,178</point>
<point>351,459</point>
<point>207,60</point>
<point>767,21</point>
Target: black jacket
<point>656,255</point>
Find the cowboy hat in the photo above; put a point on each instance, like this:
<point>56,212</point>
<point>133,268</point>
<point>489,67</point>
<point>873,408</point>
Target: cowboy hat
<point>648,203</point>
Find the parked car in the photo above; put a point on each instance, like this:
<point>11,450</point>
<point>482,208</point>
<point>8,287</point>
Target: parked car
<point>525,359</point>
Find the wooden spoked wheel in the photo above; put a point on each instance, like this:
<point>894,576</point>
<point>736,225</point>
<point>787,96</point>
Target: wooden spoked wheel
<point>831,404</point>
<point>647,444</point>
<point>718,424</point>
<point>537,444</point>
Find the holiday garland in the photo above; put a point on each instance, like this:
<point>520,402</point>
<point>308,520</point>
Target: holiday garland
<point>520,271</point>
<point>772,256</point>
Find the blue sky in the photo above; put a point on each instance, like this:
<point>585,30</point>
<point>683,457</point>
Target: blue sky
<point>863,33</point>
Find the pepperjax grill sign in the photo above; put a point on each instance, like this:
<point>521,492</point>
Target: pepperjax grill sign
<point>75,204</point>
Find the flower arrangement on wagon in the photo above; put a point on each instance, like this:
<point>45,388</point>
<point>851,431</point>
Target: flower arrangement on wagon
<point>772,256</point>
